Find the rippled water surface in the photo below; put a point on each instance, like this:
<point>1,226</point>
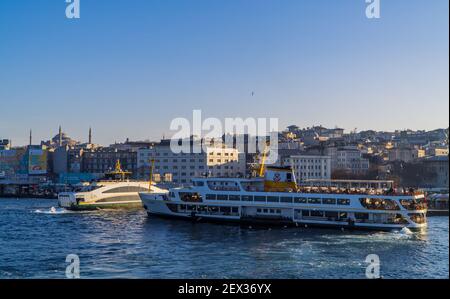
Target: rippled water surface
<point>35,240</point>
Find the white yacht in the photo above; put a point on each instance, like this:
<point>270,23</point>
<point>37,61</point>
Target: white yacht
<point>117,192</point>
<point>275,199</point>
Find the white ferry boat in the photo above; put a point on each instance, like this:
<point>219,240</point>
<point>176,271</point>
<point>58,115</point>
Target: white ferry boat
<point>276,199</point>
<point>117,192</point>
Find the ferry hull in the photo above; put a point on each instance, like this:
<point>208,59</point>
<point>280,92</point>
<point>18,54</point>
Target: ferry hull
<point>90,207</point>
<point>159,208</point>
<point>254,223</point>
<point>69,202</point>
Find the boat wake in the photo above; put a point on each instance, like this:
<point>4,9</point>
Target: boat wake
<point>52,211</point>
<point>406,231</point>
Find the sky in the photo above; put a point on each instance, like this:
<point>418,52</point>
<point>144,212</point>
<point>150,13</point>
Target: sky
<point>126,68</point>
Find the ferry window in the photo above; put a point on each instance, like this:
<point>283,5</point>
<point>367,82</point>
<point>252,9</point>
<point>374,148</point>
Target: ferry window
<point>211,196</point>
<point>343,201</point>
<point>225,209</point>
<point>273,199</point>
<point>329,201</point>
<point>260,198</point>
<point>234,197</point>
<point>314,200</point>
<point>234,210</point>
<point>272,211</point>
<point>317,213</point>
<point>305,213</point>
<point>247,198</point>
<point>278,211</point>
<point>331,214</point>
<point>289,177</point>
<point>300,200</point>
<point>266,210</point>
<point>363,216</point>
<point>286,199</point>
<point>258,210</point>
<point>222,197</point>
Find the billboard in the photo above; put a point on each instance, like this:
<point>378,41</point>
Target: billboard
<point>37,161</point>
<point>11,161</point>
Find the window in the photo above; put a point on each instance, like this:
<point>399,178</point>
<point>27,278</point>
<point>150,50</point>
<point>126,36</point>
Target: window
<point>299,200</point>
<point>247,198</point>
<point>331,214</point>
<point>222,197</point>
<point>362,216</point>
<point>343,201</point>
<point>343,215</point>
<point>329,201</point>
<point>234,197</point>
<point>211,196</point>
<point>314,200</point>
<point>273,199</point>
<point>260,198</point>
<point>317,213</point>
<point>286,199</point>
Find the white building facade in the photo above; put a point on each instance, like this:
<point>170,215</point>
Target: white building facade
<point>350,159</point>
<point>179,168</point>
<point>308,167</point>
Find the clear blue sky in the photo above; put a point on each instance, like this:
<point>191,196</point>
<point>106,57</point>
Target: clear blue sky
<point>128,67</point>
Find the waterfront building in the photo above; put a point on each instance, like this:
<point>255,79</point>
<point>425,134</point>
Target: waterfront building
<point>405,153</point>
<point>306,167</point>
<point>179,168</point>
<point>13,162</point>
<point>348,159</point>
<point>102,160</point>
<point>132,145</point>
<point>440,167</point>
<point>437,151</point>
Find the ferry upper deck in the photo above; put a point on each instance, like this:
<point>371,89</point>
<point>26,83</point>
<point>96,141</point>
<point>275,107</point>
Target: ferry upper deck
<point>352,187</point>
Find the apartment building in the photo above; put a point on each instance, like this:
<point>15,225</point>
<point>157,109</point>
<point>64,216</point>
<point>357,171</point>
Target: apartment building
<point>179,168</point>
<point>307,167</point>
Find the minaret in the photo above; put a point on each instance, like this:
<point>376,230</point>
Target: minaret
<point>90,135</point>
<point>60,136</point>
<point>31,137</point>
